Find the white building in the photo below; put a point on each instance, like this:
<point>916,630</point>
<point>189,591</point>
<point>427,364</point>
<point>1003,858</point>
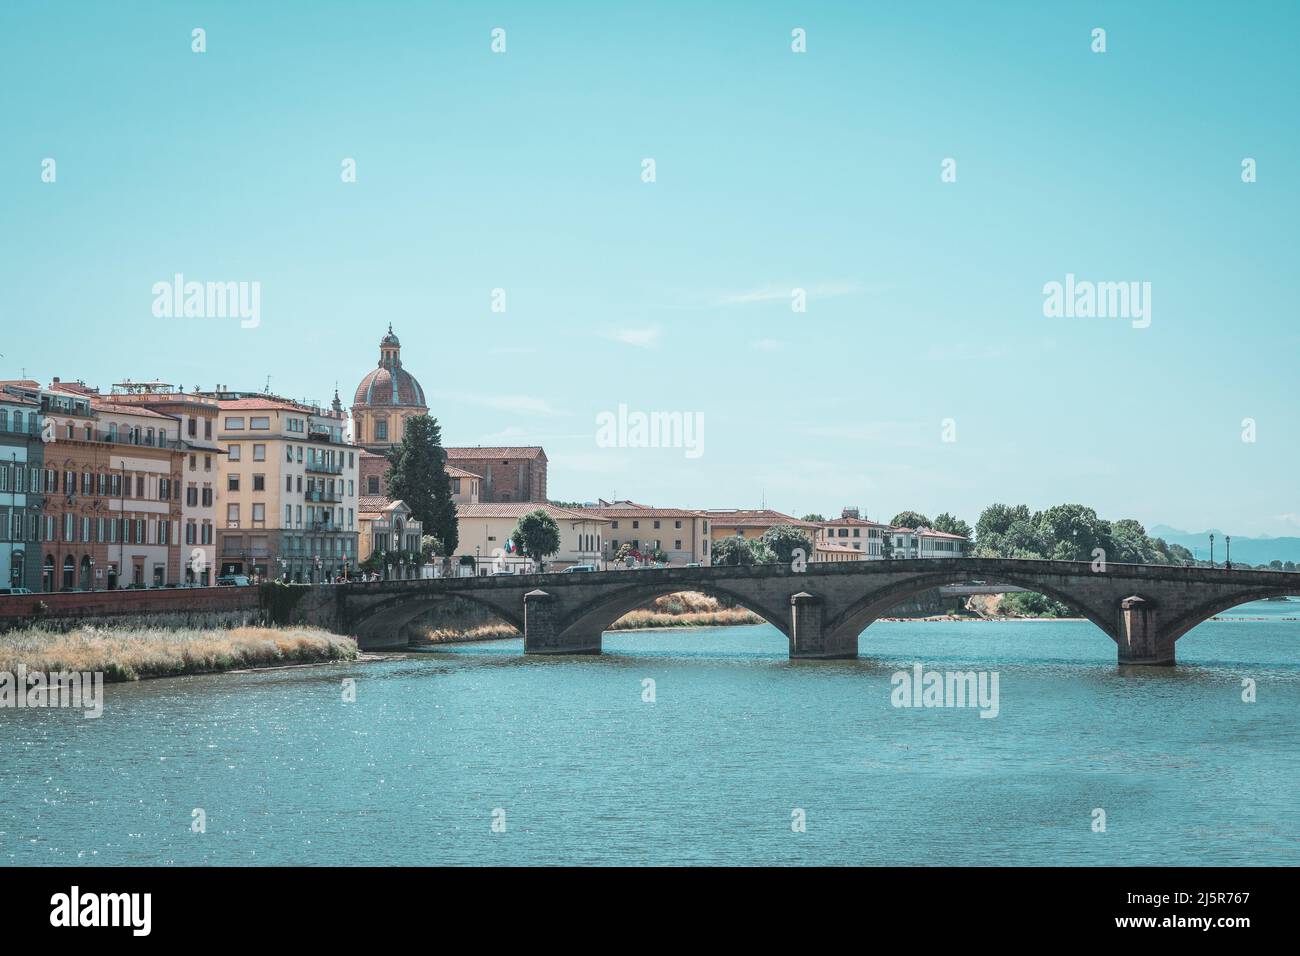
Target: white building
<point>485,530</point>
<point>926,543</point>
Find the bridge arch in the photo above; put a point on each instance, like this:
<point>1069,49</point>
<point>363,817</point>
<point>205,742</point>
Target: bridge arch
<point>870,607</point>
<point>593,618</point>
<point>378,625</point>
<point>1200,613</point>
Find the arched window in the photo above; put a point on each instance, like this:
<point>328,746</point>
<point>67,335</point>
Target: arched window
<point>47,574</point>
<point>69,572</point>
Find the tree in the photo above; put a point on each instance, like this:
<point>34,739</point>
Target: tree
<point>417,474</point>
<point>950,525</point>
<point>734,552</point>
<point>783,539</point>
<point>1073,533</point>
<point>431,547</point>
<point>812,517</point>
<point>910,519</point>
<point>537,536</point>
<point>1007,531</point>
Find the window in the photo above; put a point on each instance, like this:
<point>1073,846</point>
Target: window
<point>232,516</point>
<point>232,482</point>
<point>234,424</point>
<point>656,525</point>
<point>381,429</point>
<point>207,497</point>
<point>192,428</point>
<point>288,482</point>
<point>234,452</point>
<point>288,453</point>
<point>372,485</point>
<point>260,423</point>
<point>259,483</point>
<point>288,515</point>
<point>677,545</point>
<point>259,453</point>
<point>259,513</point>
<point>677,524</point>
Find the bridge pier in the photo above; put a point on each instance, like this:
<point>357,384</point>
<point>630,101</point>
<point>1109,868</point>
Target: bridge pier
<point>809,637</point>
<point>542,632</point>
<point>1139,634</point>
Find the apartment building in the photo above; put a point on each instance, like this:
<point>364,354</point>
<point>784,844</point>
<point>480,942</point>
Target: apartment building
<point>111,508</point>
<point>853,531</point>
<point>680,535</point>
<point>287,489</point>
<point>197,420</point>
<point>752,522</point>
<point>22,470</point>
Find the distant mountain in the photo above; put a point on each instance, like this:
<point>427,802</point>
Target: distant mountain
<point>1249,550</point>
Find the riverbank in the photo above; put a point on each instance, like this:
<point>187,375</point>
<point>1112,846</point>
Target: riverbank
<point>143,653</point>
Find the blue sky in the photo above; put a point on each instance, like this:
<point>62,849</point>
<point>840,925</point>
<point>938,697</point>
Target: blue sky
<point>775,170</point>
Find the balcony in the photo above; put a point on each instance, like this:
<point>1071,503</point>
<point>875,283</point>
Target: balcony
<point>330,496</point>
<point>323,468</point>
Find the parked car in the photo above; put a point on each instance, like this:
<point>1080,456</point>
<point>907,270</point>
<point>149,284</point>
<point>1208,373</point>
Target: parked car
<point>15,591</point>
<point>577,568</point>
<point>233,581</point>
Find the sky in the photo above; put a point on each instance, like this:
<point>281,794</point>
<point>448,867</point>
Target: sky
<point>923,373</point>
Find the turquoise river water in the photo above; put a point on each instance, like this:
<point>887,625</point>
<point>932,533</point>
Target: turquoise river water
<point>574,766</point>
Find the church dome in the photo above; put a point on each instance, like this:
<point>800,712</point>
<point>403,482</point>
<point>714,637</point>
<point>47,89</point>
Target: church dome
<point>389,384</point>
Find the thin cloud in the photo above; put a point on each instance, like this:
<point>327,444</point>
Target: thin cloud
<point>639,338</point>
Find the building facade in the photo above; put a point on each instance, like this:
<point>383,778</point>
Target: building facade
<point>22,475</point>
<point>854,532</point>
<point>680,535</point>
<point>197,424</point>
<point>925,543</point>
<point>485,530</point>
<point>388,528</point>
<point>287,489</point>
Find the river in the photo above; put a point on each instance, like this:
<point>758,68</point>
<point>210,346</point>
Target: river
<point>738,746</point>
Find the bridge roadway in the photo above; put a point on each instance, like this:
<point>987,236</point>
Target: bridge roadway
<point>1144,609</point>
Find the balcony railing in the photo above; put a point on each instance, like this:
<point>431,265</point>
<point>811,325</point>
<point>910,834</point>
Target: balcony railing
<point>324,467</point>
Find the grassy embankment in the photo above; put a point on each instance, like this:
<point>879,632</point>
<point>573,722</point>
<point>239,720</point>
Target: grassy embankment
<point>127,654</point>
<point>684,609</point>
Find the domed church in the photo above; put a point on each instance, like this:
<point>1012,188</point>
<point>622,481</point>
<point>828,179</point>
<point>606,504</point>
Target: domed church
<point>385,399</point>
<point>389,395</point>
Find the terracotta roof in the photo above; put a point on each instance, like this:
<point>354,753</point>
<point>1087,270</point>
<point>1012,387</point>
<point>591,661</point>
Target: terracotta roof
<point>833,546</point>
<point>753,518</point>
<point>485,452</point>
<point>235,404</point>
<point>372,503</point>
<point>928,532</point>
<point>104,406</point>
<point>851,523</point>
<point>641,511</point>
<point>455,472</point>
<point>516,509</point>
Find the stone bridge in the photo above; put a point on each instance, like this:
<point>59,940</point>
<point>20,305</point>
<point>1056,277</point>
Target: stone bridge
<point>1144,609</point>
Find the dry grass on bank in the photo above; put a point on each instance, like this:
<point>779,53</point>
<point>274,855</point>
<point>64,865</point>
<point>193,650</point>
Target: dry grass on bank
<point>481,632</point>
<point>685,609</point>
<point>137,653</point>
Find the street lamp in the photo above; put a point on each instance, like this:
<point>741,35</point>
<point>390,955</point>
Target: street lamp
<point>1211,550</point>
<point>476,557</point>
<point>1227,539</point>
